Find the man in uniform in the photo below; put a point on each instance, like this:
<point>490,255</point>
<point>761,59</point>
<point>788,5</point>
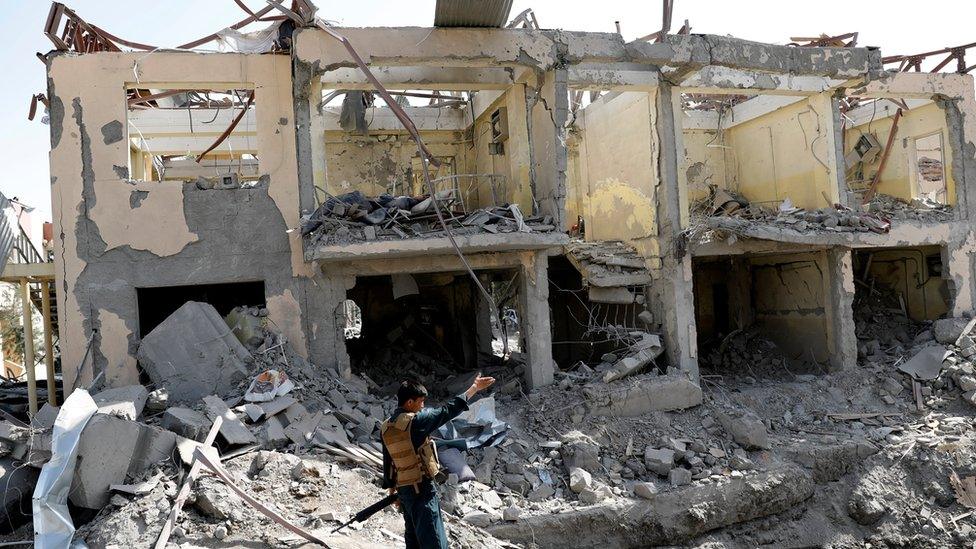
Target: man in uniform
<point>410,459</point>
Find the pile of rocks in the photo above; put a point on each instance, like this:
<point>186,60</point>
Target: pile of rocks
<point>919,209</point>
<point>837,218</point>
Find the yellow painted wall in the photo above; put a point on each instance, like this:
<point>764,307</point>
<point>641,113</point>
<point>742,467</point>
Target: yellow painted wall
<point>905,270</point>
<point>381,163</point>
<point>615,173</point>
<point>514,163</point>
<point>776,155</point>
<point>896,179</point>
<point>788,298</point>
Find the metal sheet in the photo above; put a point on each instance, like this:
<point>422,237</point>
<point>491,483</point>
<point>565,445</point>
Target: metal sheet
<point>472,13</point>
<point>7,232</point>
<point>53,528</point>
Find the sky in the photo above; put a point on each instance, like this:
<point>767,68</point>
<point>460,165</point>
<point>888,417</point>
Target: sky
<point>897,26</point>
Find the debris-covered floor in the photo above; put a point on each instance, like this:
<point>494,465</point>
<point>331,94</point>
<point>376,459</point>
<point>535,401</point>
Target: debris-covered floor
<point>877,456</point>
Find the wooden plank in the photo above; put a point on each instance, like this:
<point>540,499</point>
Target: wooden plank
<point>233,431</point>
<point>184,492</point>
<point>52,392</point>
<point>29,348</point>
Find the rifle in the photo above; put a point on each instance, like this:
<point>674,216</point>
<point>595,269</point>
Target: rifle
<point>370,511</point>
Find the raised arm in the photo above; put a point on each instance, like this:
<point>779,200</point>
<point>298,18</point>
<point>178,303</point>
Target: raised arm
<point>431,419</point>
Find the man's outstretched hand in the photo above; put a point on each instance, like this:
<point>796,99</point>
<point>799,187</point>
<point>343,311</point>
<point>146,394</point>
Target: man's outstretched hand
<point>480,384</point>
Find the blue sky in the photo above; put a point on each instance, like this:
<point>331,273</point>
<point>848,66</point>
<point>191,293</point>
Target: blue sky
<point>897,26</point>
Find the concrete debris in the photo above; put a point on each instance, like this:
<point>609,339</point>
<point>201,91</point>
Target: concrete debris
<point>124,402</point>
<point>926,364</point>
<point>609,264</point>
<point>112,448</point>
<point>948,330</point>
<point>746,428</point>
<point>643,395</point>
<point>186,422</point>
<point>233,431</point>
<point>193,354</point>
<point>344,219</point>
<point>839,218</point>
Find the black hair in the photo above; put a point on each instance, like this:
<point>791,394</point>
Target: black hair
<point>410,390</point>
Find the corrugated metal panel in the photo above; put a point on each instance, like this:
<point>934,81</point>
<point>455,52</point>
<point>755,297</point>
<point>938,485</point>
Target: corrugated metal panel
<point>7,232</point>
<point>472,13</point>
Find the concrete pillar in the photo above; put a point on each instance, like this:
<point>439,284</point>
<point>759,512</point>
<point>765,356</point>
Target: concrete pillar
<point>324,320</point>
<point>673,286</point>
<point>839,308</point>
<point>535,325</point>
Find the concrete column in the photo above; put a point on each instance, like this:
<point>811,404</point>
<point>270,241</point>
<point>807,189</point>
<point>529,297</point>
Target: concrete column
<point>535,325</point>
<point>323,320</point>
<point>673,286</point>
<point>839,308</point>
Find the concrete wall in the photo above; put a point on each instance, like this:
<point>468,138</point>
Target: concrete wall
<point>115,235</point>
<point>783,154</point>
<point>789,302</point>
<point>615,172</point>
<point>384,162</point>
<point>906,271</point>
<point>897,178</point>
<point>515,163</point>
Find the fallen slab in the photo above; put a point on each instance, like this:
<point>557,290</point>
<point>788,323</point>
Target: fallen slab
<point>111,448</point>
<point>669,518</point>
<point>233,431</point>
<point>639,396</point>
<point>193,354</point>
<point>124,402</point>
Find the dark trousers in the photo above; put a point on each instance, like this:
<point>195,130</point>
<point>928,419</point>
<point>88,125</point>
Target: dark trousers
<point>423,525</point>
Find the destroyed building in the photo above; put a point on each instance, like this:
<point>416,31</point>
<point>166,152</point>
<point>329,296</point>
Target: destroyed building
<point>563,207</point>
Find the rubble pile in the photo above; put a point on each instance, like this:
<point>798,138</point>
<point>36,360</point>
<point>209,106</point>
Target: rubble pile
<point>748,354</point>
<point>922,209</point>
<point>354,217</point>
<point>883,329</point>
<point>837,218</point>
<point>618,442</point>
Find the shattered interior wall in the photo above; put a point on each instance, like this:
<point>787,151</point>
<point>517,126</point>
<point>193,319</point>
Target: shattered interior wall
<point>708,160</point>
<point>174,234</point>
<point>896,178</point>
<point>384,162</point>
<point>789,301</point>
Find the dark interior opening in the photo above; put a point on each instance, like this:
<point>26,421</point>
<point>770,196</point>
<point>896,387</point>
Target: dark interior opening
<point>429,326</point>
<point>897,291</point>
<point>761,317</point>
<point>582,329</point>
<point>155,304</point>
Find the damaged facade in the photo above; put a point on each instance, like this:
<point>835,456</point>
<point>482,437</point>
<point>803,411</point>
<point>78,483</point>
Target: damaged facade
<point>628,166</point>
<point>560,206</point>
